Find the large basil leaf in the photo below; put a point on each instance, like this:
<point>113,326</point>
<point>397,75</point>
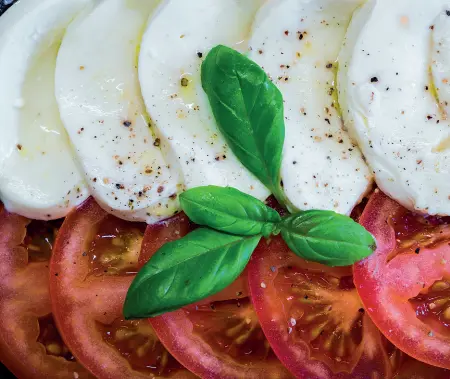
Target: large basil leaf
<point>229,210</point>
<point>185,271</point>
<point>248,108</point>
<point>327,237</point>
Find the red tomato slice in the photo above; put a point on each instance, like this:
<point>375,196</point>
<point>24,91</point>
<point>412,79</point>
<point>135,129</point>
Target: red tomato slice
<point>405,284</point>
<point>313,318</point>
<point>220,339</point>
<point>30,345</point>
<point>94,261</point>
<point>219,336</point>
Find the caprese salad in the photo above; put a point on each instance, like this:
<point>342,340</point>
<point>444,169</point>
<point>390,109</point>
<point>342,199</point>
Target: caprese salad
<point>225,189</point>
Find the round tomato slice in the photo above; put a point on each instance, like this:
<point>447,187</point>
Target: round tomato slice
<point>219,336</point>
<point>94,260</point>
<point>313,318</point>
<point>30,345</point>
<point>405,284</point>
<point>220,339</point>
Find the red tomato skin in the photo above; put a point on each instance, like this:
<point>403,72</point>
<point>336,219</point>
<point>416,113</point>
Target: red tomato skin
<point>80,301</point>
<point>384,287</point>
<point>24,297</point>
<point>262,270</point>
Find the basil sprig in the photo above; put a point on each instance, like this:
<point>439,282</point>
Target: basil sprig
<point>248,109</point>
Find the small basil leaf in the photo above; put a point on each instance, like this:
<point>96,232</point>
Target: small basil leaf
<point>327,237</point>
<point>229,210</point>
<point>185,271</point>
<point>248,108</point>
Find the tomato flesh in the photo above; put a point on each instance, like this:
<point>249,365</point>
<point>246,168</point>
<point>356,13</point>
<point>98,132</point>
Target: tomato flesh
<point>403,284</point>
<point>313,317</point>
<point>50,338</point>
<point>231,326</point>
<point>30,345</point>
<point>138,343</point>
<point>91,270</point>
<point>116,247</point>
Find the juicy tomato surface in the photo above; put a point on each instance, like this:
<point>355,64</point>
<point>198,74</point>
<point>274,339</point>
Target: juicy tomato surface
<point>94,260</point>
<point>405,284</point>
<point>30,345</point>
<point>313,318</point>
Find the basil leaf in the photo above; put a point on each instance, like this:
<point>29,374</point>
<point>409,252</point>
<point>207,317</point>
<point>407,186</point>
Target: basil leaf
<point>229,210</point>
<point>248,108</point>
<point>327,237</point>
<point>185,271</point>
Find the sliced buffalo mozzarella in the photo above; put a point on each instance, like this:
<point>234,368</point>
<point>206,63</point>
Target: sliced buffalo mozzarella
<point>390,100</point>
<point>102,109</point>
<point>38,176</point>
<point>175,43</point>
<point>297,43</point>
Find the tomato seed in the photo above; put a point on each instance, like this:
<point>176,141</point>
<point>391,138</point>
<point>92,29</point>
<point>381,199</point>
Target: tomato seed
<point>440,286</point>
<point>446,313</point>
<point>53,349</point>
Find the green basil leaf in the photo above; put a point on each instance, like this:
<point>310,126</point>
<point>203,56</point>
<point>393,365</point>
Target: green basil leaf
<point>248,108</point>
<point>229,210</point>
<point>327,237</point>
<point>185,271</point>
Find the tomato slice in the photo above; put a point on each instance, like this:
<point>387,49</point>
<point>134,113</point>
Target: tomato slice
<point>313,318</point>
<point>221,339</point>
<point>219,336</point>
<point>405,283</point>
<point>30,345</point>
<point>94,261</point>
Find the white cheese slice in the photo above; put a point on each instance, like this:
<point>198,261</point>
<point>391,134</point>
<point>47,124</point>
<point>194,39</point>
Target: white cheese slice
<point>38,176</point>
<point>101,105</point>
<point>389,102</point>
<point>175,43</point>
<point>297,43</point>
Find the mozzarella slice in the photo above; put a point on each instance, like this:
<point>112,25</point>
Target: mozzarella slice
<point>389,102</point>
<point>38,176</point>
<point>177,39</point>
<point>297,43</point>
<point>103,111</point>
